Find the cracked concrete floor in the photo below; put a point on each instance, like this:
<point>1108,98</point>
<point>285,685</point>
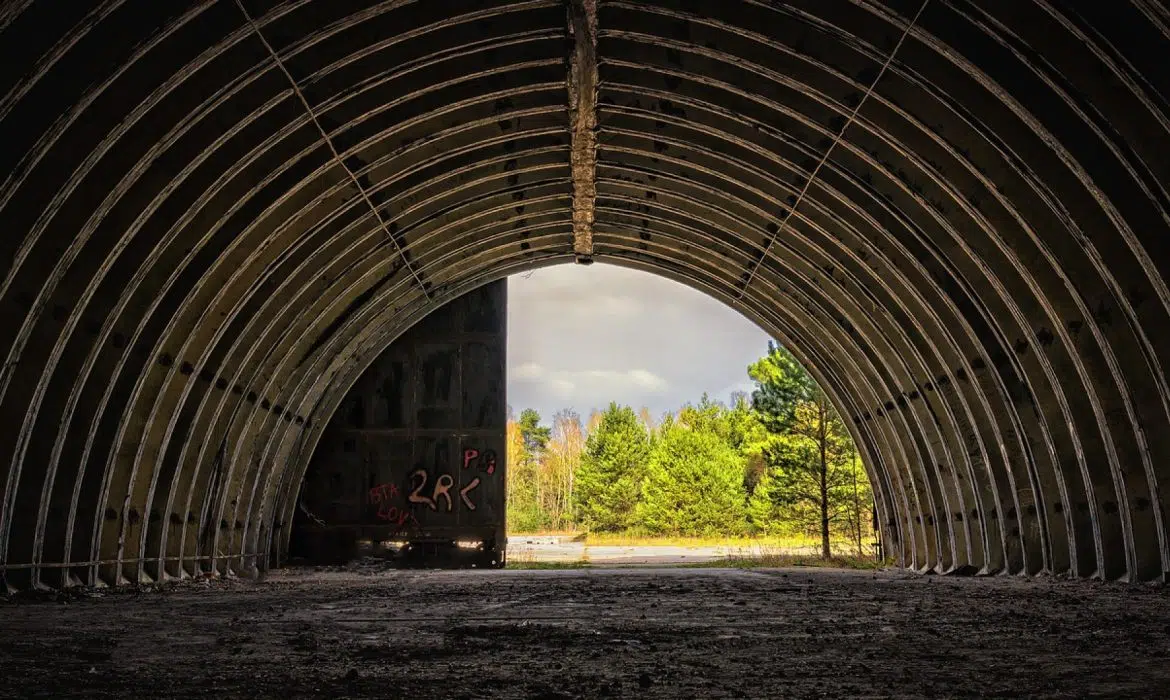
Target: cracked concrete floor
<point>664,633</point>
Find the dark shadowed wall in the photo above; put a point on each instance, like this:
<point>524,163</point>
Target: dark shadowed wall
<point>415,451</point>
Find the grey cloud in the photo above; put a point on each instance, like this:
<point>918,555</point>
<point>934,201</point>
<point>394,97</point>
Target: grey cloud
<point>579,337</point>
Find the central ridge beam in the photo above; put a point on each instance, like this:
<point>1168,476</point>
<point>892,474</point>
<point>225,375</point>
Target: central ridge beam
<point>582,84</point>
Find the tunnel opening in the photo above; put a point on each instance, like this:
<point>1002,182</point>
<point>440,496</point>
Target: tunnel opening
<point>218,213</point>
<point>427,464</point>
<point>215,215</point>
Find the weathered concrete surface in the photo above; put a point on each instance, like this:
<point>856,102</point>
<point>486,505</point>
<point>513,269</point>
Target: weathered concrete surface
<point>663,633</point>
<point>416,450</point>
<point>215,215</point>
<point>582,85</point>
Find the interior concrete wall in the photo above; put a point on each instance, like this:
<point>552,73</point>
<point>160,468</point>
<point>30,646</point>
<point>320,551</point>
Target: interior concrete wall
<point>416,450</point>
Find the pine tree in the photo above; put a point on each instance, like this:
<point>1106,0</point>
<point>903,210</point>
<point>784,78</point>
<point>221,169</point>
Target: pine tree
<point>693,485</point>
<point>782,384</point>
<point>609,479</point>
<point>763,513</point>
<point>534,434</point>
<point>810,471</point>
<point>783,500</point>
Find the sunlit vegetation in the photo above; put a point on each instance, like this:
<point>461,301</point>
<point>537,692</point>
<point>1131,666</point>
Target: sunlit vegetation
<point>777,466</point>
<point>791,543</point>
<point>783,561</point>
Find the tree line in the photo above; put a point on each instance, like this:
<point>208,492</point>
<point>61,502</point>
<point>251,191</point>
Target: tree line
<point>777,462</point>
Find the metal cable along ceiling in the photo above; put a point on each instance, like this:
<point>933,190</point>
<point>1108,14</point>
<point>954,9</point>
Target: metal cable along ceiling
<point>216,214</point>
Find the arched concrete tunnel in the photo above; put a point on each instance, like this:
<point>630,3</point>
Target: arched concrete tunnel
<point>216,213</point>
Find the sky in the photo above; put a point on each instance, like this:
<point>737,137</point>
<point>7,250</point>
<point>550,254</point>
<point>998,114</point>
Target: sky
<point>582,336</point>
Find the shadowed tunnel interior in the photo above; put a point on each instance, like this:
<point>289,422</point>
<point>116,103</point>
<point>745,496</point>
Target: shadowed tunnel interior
<point>215,214</point>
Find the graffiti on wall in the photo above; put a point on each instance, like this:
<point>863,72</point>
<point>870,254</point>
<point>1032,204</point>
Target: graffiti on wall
<point>385,496</point>
<point>437,494</point>
<point>482,461</point>
<point>440,491</point>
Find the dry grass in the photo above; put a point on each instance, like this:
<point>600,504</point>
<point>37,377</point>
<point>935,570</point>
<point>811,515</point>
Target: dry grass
<point>792,545</point>
<point>784,561</point>
<point>742,552</point>
<point>636,540</point>
<point>525,560</point>
<point>582,563</point>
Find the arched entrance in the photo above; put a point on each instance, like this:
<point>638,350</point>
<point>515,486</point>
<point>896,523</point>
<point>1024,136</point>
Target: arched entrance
<point>217,214</point>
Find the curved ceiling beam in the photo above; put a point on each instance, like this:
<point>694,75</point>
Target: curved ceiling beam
<point>953,211</point>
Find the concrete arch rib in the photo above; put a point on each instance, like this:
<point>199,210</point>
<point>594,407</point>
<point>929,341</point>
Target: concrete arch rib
<point>476,237</point>
<point>971,251</point>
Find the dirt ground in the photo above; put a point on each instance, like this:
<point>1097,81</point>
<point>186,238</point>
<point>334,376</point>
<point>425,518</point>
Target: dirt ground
<point>662,633</point>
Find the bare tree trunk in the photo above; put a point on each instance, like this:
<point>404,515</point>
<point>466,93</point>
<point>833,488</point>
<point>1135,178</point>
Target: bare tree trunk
<point>856,503</point>
<point>825,551</point>
<point>569,498</point>
<point>538,472</point>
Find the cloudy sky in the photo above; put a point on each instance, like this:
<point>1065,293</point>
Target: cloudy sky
<point>580,337</point>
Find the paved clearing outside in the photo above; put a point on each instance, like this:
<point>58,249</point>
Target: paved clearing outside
<point>542,550</point>
<point>590,633</point>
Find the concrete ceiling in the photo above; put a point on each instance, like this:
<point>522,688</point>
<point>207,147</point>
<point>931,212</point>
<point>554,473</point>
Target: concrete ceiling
<point>215,214</point>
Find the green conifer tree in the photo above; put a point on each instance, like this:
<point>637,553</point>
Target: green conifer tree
<point>609,479</point>
<point>693,485</point>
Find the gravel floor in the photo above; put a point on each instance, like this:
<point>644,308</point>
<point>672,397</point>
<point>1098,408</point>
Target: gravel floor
<point>663,633</point>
